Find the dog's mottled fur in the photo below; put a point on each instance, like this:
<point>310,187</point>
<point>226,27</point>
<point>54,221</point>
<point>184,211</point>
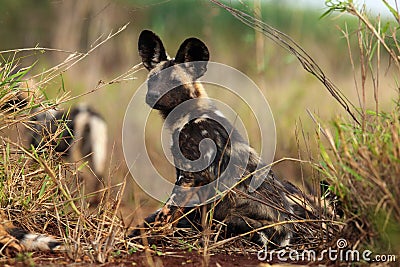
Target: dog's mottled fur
<point>241,209</point>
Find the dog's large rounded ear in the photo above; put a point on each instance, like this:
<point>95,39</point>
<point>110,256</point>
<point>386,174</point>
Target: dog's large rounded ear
<point>193,50</point>
<point>151,49</point>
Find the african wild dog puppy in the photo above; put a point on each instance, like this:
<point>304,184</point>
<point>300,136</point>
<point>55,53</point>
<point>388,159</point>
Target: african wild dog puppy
<point>242,209</point>
<point>173,83</point>
<point>78,133</point>
<point>82,132</point>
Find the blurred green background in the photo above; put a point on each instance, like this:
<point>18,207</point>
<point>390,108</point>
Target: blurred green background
<point>75,25</point>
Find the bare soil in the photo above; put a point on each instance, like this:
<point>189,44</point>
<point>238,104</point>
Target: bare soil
<point>180,258</point>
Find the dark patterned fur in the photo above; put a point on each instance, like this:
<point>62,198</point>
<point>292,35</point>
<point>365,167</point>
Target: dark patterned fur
<point>241,209</point>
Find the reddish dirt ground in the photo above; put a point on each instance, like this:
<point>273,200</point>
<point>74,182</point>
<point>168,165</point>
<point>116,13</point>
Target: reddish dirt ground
<point>182,258</point>
<point>193,259</point>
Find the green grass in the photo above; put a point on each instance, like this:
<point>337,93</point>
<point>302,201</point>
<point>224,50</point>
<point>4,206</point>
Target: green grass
<point>364,170</point>
<point>361,162</point>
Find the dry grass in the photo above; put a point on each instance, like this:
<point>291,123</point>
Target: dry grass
<point>42,193</point>
<point>363,171</point>
<point>361,162</point>
<point>360,159</point>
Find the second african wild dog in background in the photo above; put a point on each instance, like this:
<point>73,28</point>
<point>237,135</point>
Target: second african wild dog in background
<point>78,133</point>
<point>84,137</point>
<point>171,82</point>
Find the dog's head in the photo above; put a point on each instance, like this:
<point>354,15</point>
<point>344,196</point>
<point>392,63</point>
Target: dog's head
<point>172,81</point>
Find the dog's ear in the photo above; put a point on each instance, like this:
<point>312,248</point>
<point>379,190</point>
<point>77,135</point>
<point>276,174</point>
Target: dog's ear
<point>193,50</point>
<point>151,49</point>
